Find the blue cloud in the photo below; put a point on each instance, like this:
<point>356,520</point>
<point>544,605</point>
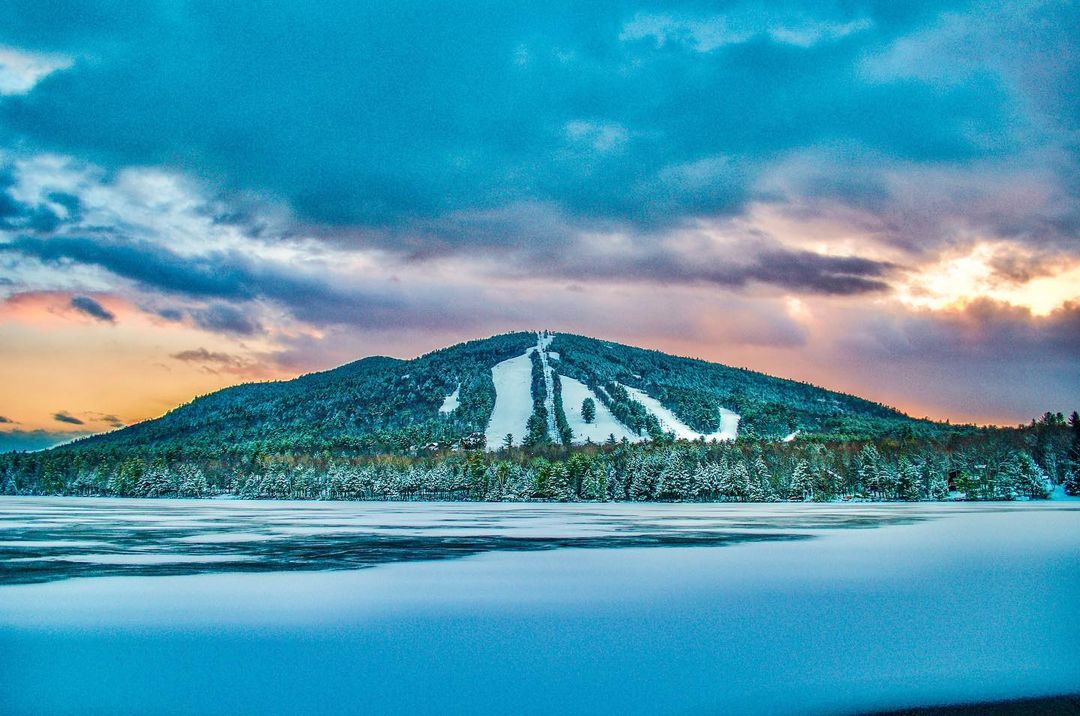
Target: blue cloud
<point>377,112</point>
<point>28,440</point>
<point>90,307</point>
<point>224,318</point>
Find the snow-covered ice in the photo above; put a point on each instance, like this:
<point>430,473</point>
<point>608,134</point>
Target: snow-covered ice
<point>450,403</point>
<point>605,424</point>
<point>979,597</point>
<point>670,423</point>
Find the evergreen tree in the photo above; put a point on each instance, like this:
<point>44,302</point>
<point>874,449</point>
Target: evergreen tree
<point>588,410</point>
<point>801,484</point>
<point>1072,481</point>
<point>1027,477</point>
<point>908,487</point>
<point>869,471</point>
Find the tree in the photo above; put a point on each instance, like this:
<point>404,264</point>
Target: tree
<point>870,470</point>
<point>588,410</point>
<point>938,485</point>
<point>908,487</point>
<point>802,487</point>
<point>1028,477</point>
<point>508,441</point>
<point>1072,482</point>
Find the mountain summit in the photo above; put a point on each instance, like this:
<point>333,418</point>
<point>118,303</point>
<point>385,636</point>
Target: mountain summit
<point>519,389</point>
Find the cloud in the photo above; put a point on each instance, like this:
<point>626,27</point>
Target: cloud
<point>553,163</point>
<point>28,440</point>
<point>987,361</point>
<point>983,329</point>
<point>90,307</point>
<point>708,33</point>
<point>801,271</point>
<point>468,125</point>
<point>223,318</point>
<point>65,417</point>
<point>217,361</point>
<point>4,419</point>
<point>20,70</point>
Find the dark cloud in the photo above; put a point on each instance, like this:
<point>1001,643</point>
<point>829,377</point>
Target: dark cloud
<point>733,266</point>
<point>214,275</point>
<point>28,440</point>
<point>815,273</point>
<point>90,307</point>
<point>982,330</point>
<point>65,417</point>
<point>987,361</point>
<point>218,361</point>
<point>1020,268</point>
<point>173,315</point>
<point>334,110</point>
<point>228,276</point>
<point>16,215</point>
<point>223,318</point>
<point>202,355</point>
<point>4,419</point>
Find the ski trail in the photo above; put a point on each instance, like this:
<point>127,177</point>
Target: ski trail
<point>543,340</point>
<point>670,423</point>
<point>513,400</point>
<point>574,392</point>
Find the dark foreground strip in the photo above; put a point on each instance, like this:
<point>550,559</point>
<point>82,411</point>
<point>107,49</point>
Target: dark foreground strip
<point>313,553</point>
<point>1047,706</point>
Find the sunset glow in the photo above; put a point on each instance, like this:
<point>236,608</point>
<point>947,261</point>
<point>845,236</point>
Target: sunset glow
<point>814,192</point>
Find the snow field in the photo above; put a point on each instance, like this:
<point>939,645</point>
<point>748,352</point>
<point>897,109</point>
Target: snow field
<point>574,392</point>
<point>450,403</point>
<point>669,422</point>
<point>513,400</point>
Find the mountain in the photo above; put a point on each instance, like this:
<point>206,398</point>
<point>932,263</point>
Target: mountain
<point>531,386</point>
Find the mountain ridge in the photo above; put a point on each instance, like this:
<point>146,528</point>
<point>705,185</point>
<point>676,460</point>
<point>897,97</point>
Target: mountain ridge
<point>387,404</point>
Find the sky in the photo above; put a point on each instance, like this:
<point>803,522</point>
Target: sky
<point>877,197</point>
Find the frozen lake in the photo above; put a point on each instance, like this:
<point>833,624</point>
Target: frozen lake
<point>202,607</point>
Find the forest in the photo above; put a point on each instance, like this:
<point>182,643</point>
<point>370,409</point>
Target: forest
<point>1027,462</point>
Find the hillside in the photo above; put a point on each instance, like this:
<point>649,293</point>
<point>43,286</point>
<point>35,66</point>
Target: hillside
<point>531,386</point>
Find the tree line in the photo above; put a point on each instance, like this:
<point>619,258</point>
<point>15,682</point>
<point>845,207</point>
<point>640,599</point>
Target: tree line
<point>992,464</point>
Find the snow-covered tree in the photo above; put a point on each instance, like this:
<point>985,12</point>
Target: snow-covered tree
<point>588,410</point>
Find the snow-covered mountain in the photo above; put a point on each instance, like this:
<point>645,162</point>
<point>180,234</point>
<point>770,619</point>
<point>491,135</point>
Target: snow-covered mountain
<point>519,389</point>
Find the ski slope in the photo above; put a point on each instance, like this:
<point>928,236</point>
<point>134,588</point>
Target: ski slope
<point>513,400</point>
<point>670,423</point>
<point>514,405</point>
<point>543,340</point>
<point>574,392</point>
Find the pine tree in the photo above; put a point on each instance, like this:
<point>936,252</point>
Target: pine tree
<point>908,487</point>
<point>191,481</point>
<point>754,491</point>
<point>938,488</point>
<point>1072,481</point>
<point>870,470</point>
<point>1029,479</point>
<point>588,410</point>
<point>801,487</point>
